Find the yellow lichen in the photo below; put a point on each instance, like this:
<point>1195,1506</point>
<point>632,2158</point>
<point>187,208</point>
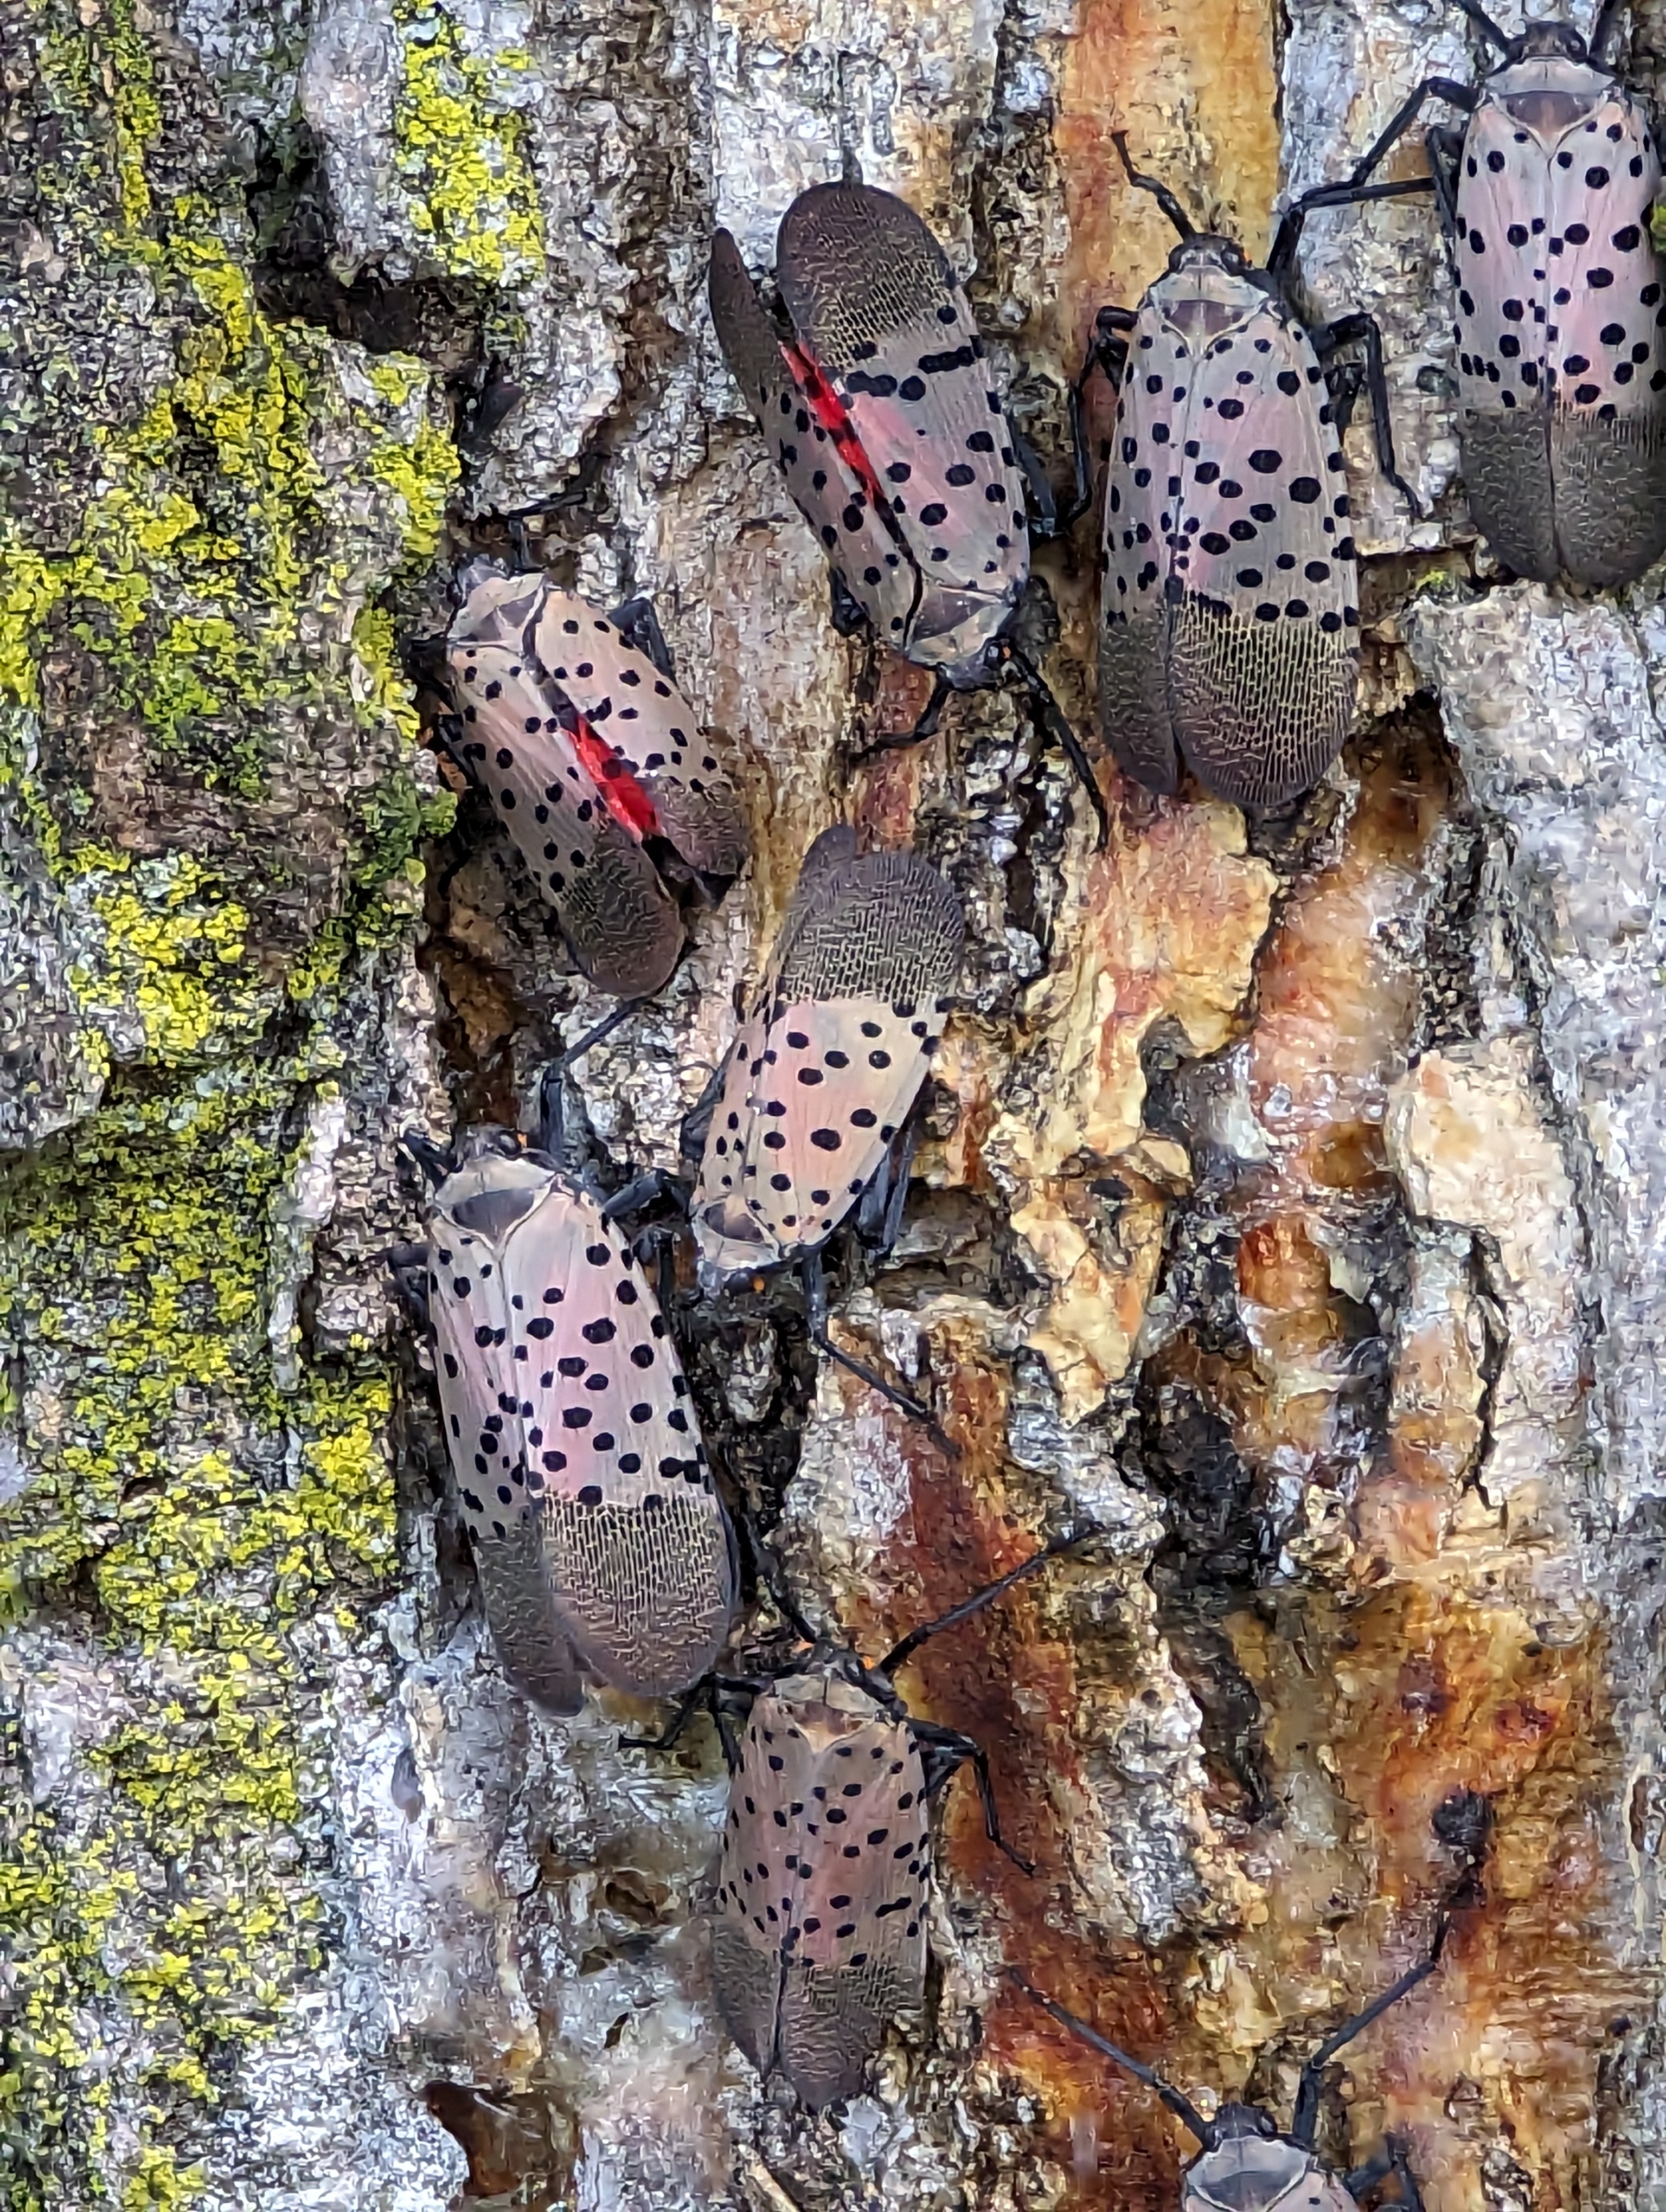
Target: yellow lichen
<point>460,151</point>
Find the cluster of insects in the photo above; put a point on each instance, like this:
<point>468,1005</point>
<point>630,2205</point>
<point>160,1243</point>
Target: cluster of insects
<point>1229,652</point>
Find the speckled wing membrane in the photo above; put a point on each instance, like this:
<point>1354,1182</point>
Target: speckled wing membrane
<point>1230,632</point>
<point>647,737</point>
<point>877,307</point>
<point>1561,364</point>
<point>584,1406</point>
<point>539,761</point>
<point>828,1067</point>
<point>819,1934</point>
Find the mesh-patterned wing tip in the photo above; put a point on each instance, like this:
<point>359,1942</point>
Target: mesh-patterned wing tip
<point>748,338</point>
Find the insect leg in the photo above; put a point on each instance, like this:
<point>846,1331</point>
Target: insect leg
<point>1107,350</point>
<point>408,1264</point>
<point>1484,23</point>
<point>1282,258</point>
<point>925,727</point>
<point>1392,2159</point>
<point>942,1751</point>
<point>815,1301</point>
<point>975,1603</point>
<point>1304,2126</point>
<point>1180,2107</point>
<point>880,1212</point>
<point>1052,720</point>
<point>1044,523</point>
<point>1362,330</point>
<point>769,1574</point>
<point>657,1184</point>
<point>435,1161</point>
<point>849,615</point>
<point>1602,29</point>
<point>703,1693</point>
<point>638,625</point>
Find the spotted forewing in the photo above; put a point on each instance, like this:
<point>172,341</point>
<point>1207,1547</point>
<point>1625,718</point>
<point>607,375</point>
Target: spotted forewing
<point>819,1934</point>
<point>1561,363</point>
<point>828,1065</point>
<point>584,1482</point>
<point>882,412</point>
<point>1230,628</point>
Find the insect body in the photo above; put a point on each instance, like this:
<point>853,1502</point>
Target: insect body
<point>1244,2164</point>
<point>1229,604</point>
<point>599,770</point>
<point>815,1119</point>
<point>880,410</point>
<point>819,1930</point>
<point>601,1540</point>
<point>1545,197</point>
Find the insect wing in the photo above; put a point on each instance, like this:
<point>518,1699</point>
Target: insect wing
<point>647,733</point>
<point>811,436</point>
<point>1139,517</point>
<point>622,925</point>
<point>819,1934</point>
<point>859,999</point>
<point>1562,372</point>
<point>880,311</point>
<point>469,1306</point>
<point>635,1538</point>
<point>1264,631</point>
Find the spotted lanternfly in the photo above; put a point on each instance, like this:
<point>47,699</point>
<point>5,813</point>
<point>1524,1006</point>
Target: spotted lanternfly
<point>819,1087</point>
<point>819,1932</point>
<point>1229,604</point>
<point>599,769</point>
<point>1545,197</point>
<point>1244,2164</point>
<point>601,1540</point>
<point>880,408</point>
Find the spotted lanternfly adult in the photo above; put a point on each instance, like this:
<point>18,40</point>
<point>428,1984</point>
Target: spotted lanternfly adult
<point>1545,197</point>
<point>1244,2164</point>
<point>1229,606</point>
<point>881,409</point>
<point>599,769</point>
<point>600,1538</point>
<point>815,1120</point>
<point>819,1931</point>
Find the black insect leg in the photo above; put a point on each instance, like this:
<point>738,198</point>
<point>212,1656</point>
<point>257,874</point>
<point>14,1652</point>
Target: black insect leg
<point>943,1751</point>
<point>925,727</point>
<point>1282,258</point>
<point>639,626</point>
<point>1392,2159</point>
<point>1445,147</point>
<point>1107,352</point>
<point>910,1643</point>
<point>1045,521</point>
<point>848,614</point>
<point>1484,23</point>
<point>551,1095</point>
<point>1602,30</point>
<point>878,1216</point>
<point>1362,330</point>
<point>1304,2126</point>
<point>708,1693</point>
<point>815,1302</point>
<point>408,1264</point>
<point>1158,191</point>
<point>1051,717</point>
<point>647,1190</point>
<point>435,1161</point>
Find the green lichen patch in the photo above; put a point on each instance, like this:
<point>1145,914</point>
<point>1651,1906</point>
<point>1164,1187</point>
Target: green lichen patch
<point>460,151</point>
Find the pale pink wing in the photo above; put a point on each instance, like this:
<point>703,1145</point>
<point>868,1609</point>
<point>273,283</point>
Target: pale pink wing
<point>635,1534</point>
<point>757,1879</point>
<point>1262,587</point>
<point>522,743</point>
<point>469,1307</point>
<point>808,433</point>
<point>859,1000</point>
<point>879,309</point>
<point>648,730</point>
<point>858,1952</point>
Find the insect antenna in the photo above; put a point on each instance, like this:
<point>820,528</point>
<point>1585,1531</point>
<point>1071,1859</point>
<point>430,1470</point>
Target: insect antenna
<point>1182,2106</point>
<point>910,1643</point>
<point>1158,191</point>
<point>1304,2122</point>
<point>1484,23</point>
<point>769,1574</point>
<point>815,1300</point>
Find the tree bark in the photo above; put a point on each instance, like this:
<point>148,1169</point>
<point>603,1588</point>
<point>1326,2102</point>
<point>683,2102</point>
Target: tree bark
<point>1291,1202</point>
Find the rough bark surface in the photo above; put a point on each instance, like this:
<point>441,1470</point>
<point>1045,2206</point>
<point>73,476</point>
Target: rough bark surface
<point>1292,1202</point>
